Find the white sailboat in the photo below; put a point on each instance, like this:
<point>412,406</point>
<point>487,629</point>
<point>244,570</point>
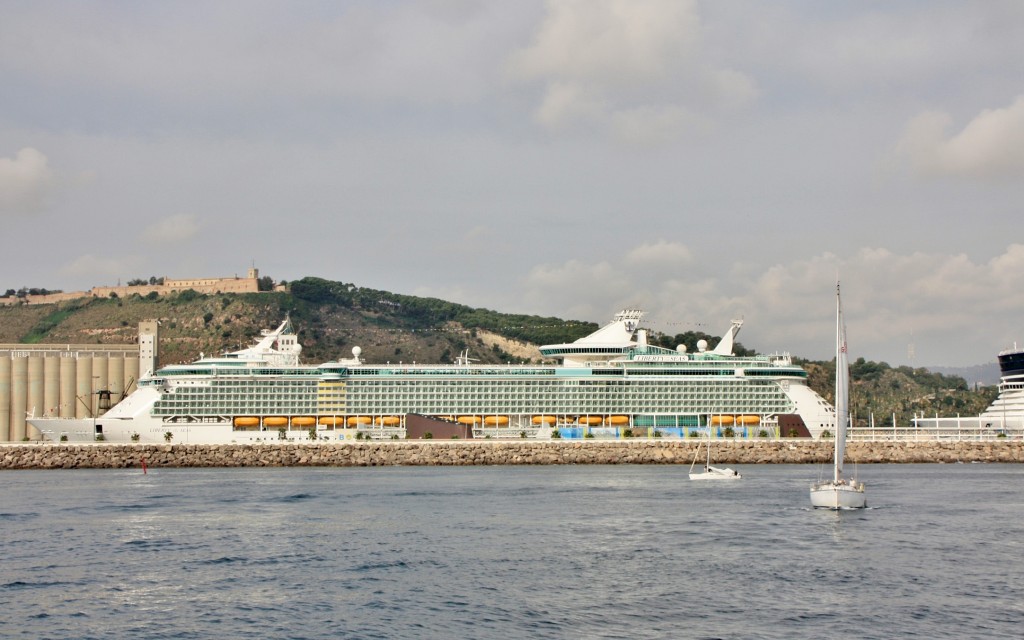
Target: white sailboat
<point>709,472</point>
<point>840,493</point>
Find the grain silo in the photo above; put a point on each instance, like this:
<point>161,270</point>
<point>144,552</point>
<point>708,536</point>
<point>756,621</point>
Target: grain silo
<point>67,380</point>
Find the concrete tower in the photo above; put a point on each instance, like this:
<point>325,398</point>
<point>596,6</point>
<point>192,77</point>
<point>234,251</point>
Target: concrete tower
<point>149,340</point>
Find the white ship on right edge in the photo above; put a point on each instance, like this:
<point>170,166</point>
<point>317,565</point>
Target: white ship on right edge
<point>1004,415</point>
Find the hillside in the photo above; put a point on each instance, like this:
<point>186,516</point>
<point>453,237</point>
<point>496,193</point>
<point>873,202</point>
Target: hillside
<point>330,319</point>
<point>333,317</point>
<point>879,391</point>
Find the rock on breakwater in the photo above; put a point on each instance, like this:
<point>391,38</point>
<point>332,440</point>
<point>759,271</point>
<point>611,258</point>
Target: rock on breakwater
<point>490,452</point>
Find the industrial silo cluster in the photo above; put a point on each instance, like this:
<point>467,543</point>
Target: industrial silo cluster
<point>68,381</point>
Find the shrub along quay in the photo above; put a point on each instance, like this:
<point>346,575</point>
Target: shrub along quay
<point>490,452</point>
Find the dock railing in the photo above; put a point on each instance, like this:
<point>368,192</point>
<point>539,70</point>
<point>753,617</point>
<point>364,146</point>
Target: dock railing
<point>972,429</point>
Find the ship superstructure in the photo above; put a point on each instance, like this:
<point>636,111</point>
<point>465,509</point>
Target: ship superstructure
<point>607,384</point>
<point>1004,417</point>
<point>1007,410</point>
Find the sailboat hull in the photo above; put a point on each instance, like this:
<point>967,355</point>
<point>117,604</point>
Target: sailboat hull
<point>716,473</point>
<point>829,495</point>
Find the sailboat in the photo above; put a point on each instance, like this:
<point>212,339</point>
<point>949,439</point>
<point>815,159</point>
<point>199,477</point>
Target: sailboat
<point>839,492</point>
<point>709,472</point>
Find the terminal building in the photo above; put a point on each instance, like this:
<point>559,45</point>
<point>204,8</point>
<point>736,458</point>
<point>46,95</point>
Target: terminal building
<point>69,381</point>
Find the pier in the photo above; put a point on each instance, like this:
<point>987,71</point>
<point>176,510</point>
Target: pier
<point>491,452</point>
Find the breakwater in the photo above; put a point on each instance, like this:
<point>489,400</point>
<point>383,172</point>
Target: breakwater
<point>497,452</point>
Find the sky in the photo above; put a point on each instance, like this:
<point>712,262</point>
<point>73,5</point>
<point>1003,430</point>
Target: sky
<point>702,161</point>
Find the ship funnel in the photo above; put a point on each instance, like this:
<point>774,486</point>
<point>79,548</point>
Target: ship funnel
<point>724,347</point>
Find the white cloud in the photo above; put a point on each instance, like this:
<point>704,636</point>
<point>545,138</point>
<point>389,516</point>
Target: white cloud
<point>173,229</point>
<point>1008,267</point>
<point>456,145</point>
<point>611,42</point>
<point>632,68</point>
<point>990,146</point>
<point>101,270</point>
<point>478,235</point>
<point>572,273</point>
<point>959,309</point>
<point>566,103</point>
<point>892,299</point>
<point>663,254</point>
<point>652,125</point>
<point>26,182</point>
<point>732,88</point>
<point>596,288</point>
<point>261,54</point>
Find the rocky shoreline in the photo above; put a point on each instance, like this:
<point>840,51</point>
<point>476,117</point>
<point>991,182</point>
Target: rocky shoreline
<point>496,452</point>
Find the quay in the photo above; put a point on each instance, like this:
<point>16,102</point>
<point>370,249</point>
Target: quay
<point>491,452</point>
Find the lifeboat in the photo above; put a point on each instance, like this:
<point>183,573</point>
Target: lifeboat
<point>499,421</point>
<point>617,420</point>
<point>275,421</point>
<point>247,421</point>
<point>720,420</point>
<point>388,421</point>
<point>303,421</point>
<point>332,421</point>
<point>355,421</point>
<point>544,420</point>
<point>589,420</point>
<point>468,419</point>
<point>748,420</point>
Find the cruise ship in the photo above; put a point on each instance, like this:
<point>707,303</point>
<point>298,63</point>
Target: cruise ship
<point>1005,416</point>
<point>609,384</point>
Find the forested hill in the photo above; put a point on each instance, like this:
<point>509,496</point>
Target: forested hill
<point>330,319</point>
<point>333,317</point>
<point>413,313</point>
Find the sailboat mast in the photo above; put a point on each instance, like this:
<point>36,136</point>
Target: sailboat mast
<point>842,389</point>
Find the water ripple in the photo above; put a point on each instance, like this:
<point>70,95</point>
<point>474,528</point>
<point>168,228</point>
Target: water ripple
<point>547,552</point>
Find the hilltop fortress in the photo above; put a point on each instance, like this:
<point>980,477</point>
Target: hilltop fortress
<point>248,284</point>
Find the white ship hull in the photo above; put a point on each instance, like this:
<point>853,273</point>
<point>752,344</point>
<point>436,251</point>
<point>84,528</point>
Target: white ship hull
<point>149,431</point>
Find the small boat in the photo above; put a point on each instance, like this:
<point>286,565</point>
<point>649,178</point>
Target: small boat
<point>840,493</point>
<point>709,472</point>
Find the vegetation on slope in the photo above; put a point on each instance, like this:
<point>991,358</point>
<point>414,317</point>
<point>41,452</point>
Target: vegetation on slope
<point>330,319</point>
<point>880,393</point>
<point>432,314</point>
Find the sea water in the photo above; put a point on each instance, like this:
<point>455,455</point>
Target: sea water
<point>509,552</point>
